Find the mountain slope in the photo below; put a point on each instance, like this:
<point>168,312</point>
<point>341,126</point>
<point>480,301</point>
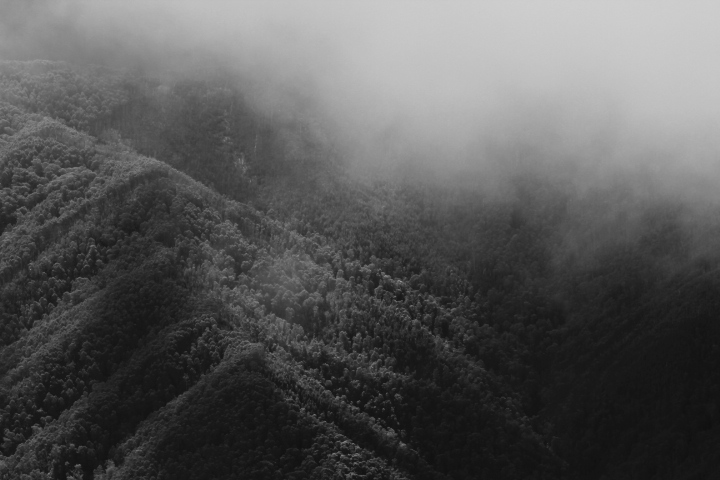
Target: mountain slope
<point>191,287</point>
<point>154,328</point>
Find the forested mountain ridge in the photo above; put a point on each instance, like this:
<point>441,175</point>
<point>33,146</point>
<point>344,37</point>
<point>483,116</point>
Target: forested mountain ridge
<point>127,285</point>
<point>193,288</point>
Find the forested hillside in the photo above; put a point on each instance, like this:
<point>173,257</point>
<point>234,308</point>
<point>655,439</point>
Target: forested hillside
<point>191,287</point>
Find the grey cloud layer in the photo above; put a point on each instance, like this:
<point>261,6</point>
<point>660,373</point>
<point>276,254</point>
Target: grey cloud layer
<point>448,74</point>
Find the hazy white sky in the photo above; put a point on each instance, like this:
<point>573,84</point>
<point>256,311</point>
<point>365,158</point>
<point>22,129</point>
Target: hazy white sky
<point>658,58</point>
<point>439,68</point>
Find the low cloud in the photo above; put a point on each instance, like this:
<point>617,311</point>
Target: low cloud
<point>603,83</point>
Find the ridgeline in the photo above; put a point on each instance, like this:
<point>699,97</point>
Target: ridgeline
<point>192,288</point>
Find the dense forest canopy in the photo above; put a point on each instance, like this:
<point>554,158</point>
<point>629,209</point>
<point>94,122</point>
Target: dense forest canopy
<point>234,262</point>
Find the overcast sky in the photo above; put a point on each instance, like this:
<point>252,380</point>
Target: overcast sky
<point>450,70</point>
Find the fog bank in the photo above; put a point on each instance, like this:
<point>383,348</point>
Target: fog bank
<point>450,83</point>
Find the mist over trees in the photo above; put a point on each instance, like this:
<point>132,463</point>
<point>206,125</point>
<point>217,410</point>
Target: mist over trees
<point>603,84</point>
<point>319,240</point>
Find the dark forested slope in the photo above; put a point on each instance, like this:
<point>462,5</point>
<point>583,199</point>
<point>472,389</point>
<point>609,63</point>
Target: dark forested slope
<point>153,326</point>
